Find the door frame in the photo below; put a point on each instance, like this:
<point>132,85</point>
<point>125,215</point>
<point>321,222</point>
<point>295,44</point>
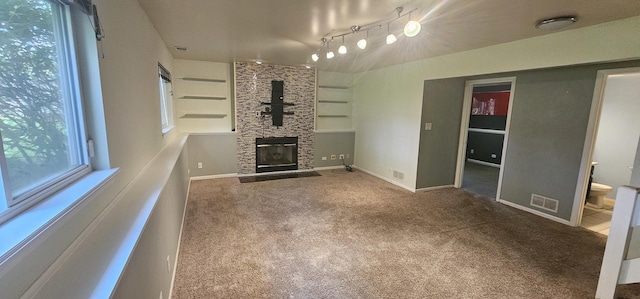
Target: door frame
<point>464,126</point>
<point>590,139</point>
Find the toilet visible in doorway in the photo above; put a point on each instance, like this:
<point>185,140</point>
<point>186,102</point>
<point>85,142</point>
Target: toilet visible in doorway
<point>597,194</point>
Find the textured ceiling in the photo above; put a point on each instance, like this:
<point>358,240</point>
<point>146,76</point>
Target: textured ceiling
<point>287,32</point>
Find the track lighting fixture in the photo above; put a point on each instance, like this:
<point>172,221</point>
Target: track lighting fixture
<point>343,48</point>
<point>410,29</point>
<point>362,43</point>
<point>391,38</point>
<point>329,52</point>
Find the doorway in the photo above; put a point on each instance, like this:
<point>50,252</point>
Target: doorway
<point>610,147</point>
<point>484,131</point>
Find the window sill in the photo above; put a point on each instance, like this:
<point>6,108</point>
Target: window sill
<point>21,230</point>
<point>167,129</point>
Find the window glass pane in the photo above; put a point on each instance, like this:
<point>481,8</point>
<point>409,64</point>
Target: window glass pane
<point>166,97</point>
<point>163,104</point>
<point>36,119</point>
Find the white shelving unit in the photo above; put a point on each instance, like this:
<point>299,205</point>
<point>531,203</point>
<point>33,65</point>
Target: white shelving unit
<point>202,96</point>
<point>334,101</point>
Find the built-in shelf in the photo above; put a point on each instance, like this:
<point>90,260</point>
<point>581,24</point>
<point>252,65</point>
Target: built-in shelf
<point>204,80</point>
<point>196,115</point>
<point>332,115</point>
<point>334,102</point>
<point>203,98</point>
<point>333,87</point>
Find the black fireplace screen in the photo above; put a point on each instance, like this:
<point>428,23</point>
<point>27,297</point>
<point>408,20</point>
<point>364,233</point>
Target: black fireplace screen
<point>276,154</point>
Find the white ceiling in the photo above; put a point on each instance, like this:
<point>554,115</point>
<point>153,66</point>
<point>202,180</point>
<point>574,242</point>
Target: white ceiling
<point>287,32</point>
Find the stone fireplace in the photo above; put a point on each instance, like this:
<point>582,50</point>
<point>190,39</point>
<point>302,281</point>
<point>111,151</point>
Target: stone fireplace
<point>263,146</point>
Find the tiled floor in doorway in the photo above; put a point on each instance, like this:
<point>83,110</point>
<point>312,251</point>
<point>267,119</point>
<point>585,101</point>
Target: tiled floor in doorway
<point>597,219</point>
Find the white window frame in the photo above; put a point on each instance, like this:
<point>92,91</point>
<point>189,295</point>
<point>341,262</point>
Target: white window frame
<point>166,99</point>
<point>70,86</point>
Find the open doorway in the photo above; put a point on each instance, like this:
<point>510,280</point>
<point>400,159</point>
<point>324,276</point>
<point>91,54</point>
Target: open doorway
<point>610,147</point>
<point>483,135</point>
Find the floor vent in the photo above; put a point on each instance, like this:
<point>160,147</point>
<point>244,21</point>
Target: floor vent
<point>544,203</point>
<point>398,175</point>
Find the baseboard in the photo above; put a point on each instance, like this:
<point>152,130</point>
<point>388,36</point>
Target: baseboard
<point>484,163</point>
<point>434,188</point>
<point>329,167</point>
<point>175,263</point>
<point>535,212</point>
<point>384,179</point>
<point>215,176</point>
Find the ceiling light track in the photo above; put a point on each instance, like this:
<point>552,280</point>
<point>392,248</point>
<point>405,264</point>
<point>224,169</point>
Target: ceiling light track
<point>411,29</point>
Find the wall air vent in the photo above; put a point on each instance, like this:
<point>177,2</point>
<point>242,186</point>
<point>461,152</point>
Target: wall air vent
<point>398,175</point>
<point>544,203</point>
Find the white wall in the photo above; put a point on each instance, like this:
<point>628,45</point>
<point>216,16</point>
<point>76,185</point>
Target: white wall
<point>618,134</point>
<point>387,101</point>
<point>128,74</point>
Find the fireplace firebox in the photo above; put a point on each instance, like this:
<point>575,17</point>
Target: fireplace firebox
<point>276,154</point>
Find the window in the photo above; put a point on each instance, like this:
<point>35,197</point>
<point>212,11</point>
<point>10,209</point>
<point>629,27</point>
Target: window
<point>41,121</point>
<point>166,98</point>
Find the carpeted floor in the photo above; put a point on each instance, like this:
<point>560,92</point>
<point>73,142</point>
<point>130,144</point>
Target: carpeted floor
<point>352,235</point>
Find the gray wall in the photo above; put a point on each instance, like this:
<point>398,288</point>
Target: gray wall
<point>333,143</point>
<point>146,272</point>
<point>216,151</point>
<point>438,151</point>
<point>548,127</point>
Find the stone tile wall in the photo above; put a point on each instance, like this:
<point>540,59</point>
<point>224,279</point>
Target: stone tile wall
<point>253,85</point>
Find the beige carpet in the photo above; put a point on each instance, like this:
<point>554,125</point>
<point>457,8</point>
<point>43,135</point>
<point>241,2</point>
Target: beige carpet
<point>355,236</point>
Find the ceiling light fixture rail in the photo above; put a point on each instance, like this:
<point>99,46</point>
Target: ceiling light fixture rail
<point>411,29</point>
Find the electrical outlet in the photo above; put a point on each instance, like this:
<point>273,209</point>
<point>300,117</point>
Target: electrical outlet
<point>168,264</point>
<point>199,164</point>
<point>428,126</point>
<point>333,157</point>
<point>341,156</point>
<point>472,151</point>
<point>324,158</point>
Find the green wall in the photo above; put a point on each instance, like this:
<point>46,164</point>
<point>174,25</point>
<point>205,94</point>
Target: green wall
<point>442,107</point>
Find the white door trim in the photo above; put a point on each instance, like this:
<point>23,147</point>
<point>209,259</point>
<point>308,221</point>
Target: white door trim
<point>464,124</point>
<point>590,140</point>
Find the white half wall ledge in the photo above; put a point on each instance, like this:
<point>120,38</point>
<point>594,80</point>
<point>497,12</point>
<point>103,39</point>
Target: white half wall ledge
<point>140,196</point>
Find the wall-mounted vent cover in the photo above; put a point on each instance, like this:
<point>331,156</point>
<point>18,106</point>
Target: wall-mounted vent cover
<point>545,203</point>
<point>398,175</point>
